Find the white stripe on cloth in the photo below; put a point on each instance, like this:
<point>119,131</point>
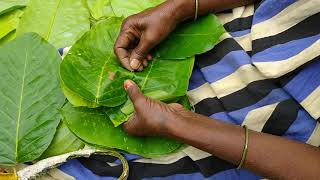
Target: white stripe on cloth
<point>275,69</point>
<point>237,80</point>
<point>245,42</point>
<point>314,139</point>
<point>239,12</point>
<point>312,103</point>
<point>202,92</point>
<point>286,19</point>
<point>257,118</point>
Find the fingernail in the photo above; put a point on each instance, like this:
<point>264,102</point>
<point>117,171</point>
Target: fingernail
<point>135,63</point>
<point>127,84</point>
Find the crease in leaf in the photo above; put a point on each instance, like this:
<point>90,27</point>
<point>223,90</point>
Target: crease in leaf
<point>9,22</point>
<point>10,5</point>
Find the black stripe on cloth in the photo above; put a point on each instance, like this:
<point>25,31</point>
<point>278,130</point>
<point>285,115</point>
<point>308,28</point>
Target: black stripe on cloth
<point>139,170</point>
<point>251,94</point>
<point>239,24</point>
<point>206,166</point>
<point>217,53</point>
<point>282,117</point>
<point>257,4</point>
<point>209,106</point>
<point>306,28</point>
<point>212,165</point>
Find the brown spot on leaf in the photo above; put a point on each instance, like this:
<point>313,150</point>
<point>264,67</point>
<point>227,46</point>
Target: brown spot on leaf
<point>112,75</point>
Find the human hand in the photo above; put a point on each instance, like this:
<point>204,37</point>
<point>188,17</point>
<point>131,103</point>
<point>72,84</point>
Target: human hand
<point>141,32</point>
<point>151,117</point>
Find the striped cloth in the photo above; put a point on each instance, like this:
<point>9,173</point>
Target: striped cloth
<point>265,73</point>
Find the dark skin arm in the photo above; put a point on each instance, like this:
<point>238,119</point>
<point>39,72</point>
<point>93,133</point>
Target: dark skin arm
<point>269,156</point>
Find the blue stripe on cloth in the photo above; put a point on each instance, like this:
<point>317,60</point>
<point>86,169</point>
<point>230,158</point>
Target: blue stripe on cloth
<point>285,51</point>
<point>238,116</point>
<point>60,51</point>
<point>240,33</point>
<point>226,66</point>
<point>77,170</point>
<point>305,82</point>
<point>196,79</point>
<point>270,8</point>
<point>302,128</point>
<point>231,174</point>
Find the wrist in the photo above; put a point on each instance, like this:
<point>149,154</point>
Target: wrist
<point>182,9</point>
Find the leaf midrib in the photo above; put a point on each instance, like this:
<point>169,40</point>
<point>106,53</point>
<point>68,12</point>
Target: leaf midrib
<point>100,80</point>
<point>20,105</point>
<point>52,21</point>
<point>147,76</point>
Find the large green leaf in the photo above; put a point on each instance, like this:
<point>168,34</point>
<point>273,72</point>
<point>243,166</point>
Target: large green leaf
<point>94,127</point>
<point>125,8</point>
<point>9,22</point>
<point>30,98</point>
<point>9,5</point>
<point>191,38</point>
<point>92,72</point>
<point>61,22</point>
<point>100,8</point>
<point>64,141</point>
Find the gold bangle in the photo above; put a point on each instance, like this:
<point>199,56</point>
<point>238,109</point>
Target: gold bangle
<point>196,9</point>
<point>245,148</point>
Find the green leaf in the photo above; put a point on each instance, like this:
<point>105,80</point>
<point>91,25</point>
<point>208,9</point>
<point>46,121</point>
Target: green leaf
<point>191,38</point>
<point>61,22</point>
<point>30,98</point>
<point>10,5</point>
<point>63,142</point>
<point>100,8</point>
<point>125,8</point>
<point>92,72</point>
<point>9,22</point>
<point>94,127</point>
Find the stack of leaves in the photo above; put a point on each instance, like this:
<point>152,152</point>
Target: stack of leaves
<point>35,82</point>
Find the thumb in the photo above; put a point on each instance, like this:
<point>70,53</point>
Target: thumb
<point>133,90</point>
<point>139,54</point>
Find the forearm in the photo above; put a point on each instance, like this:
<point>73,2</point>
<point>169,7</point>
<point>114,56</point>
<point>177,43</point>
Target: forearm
<point>185,9</point>
<point>269,156</point>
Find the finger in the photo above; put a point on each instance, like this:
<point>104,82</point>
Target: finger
<point>129,125</point>
<point>149,57</point>
<point>133,90</point>
<point>140,68</point>
<point>121,48</point>
<point>140,53</point>
<point>124,58</point>
<point>145,63</point>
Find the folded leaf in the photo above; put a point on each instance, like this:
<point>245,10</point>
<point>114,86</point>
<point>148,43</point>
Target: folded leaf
<point>9,22</point>
<point>125,8</point>
<point>191,38</point>
<point>92,72</point>
<point>8,37</point>
<point>30,98</point>
<point>64,141</point>
<point>10,5</point>
<point>94,127</point>
<point>61,22</point>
